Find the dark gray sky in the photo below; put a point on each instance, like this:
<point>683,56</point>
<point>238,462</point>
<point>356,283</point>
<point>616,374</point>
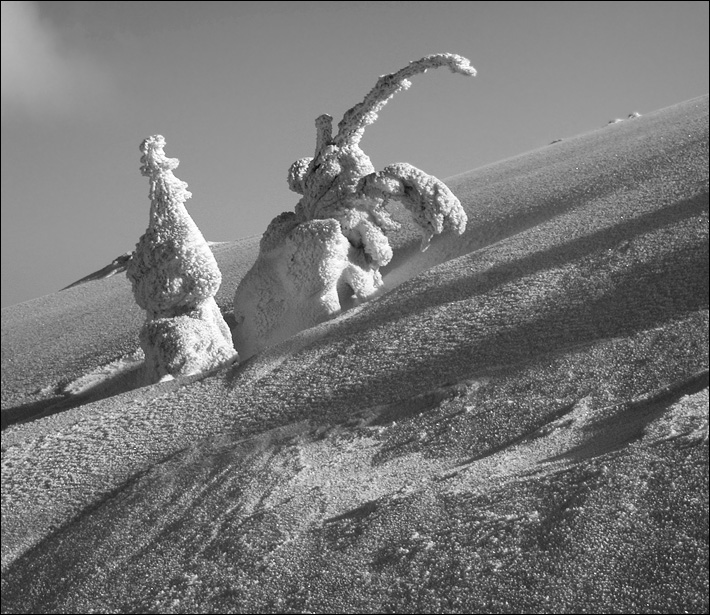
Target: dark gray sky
<point>235,88</point>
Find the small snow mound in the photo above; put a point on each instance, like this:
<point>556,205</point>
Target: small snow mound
<point>686,420</point>
<point>105,373</point>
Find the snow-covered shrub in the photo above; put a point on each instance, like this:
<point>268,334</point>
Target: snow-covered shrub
<point>342,192</point>
<point>175,276</point>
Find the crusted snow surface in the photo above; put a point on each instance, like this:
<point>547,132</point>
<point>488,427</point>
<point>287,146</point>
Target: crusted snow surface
<point>517,429</point>
<point>99,376</point>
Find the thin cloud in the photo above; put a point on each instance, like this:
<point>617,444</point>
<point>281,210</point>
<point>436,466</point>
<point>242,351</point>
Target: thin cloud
<point>43,74</point>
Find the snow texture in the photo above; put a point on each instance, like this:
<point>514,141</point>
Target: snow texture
<point>175,276</point>
<point>339,184</point>
<point>521,427</point>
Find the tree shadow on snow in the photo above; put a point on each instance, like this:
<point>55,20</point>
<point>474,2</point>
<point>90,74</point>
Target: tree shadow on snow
<point>108,386</point>
<point>641,295</point>
<point>483,281</point>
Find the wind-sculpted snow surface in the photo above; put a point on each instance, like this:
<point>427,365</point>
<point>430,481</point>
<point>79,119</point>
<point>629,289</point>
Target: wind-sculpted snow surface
<point>175,277</point>
<point>519,428</point>
<point>339,184</point>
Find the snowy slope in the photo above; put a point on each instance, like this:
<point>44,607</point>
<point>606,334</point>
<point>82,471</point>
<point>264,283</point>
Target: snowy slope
<point>518,424</point>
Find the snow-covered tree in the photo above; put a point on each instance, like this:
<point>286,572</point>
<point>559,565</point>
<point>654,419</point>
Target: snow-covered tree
<point>343,198</point>
<point>175,276</point>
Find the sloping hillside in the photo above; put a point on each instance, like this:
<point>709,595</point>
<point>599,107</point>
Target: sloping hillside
<point>519,424</point>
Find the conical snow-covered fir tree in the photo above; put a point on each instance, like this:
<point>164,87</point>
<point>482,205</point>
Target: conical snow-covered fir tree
<point>175,276</point>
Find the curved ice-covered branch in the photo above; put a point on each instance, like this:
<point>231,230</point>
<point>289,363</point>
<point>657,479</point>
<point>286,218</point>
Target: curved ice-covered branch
<point>434,207</point>
<point>324,132</point>
<point>356,119</point>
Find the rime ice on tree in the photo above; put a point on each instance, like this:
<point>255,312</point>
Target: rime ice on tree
<point>342,198</point>
<point>175,277</point>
